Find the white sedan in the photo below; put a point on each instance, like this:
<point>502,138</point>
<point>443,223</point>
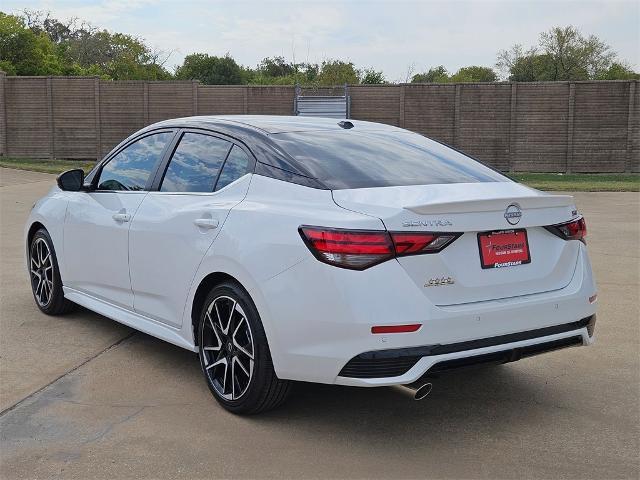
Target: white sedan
<point>288,248</point>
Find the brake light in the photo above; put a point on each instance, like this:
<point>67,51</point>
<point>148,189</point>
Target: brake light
<point>361,249</point>
<point>354,249</point>
<point>573,230</point>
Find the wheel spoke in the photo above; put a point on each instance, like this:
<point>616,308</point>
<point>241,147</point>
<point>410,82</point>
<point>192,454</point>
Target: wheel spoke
<point>42,288</point>
<point>237,344</point>
<point>233,309</point>
<point>233,380</point>
<point>237,360</point>
<point>222,361</point>
<point>225,330</point>
<point>215,305</point>
<point>215,332</point>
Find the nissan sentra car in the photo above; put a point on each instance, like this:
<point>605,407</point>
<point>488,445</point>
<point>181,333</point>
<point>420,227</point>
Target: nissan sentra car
<point>288,248</point>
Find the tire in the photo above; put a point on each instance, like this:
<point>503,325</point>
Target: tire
<point>234,354</point>
<point>46,284</point>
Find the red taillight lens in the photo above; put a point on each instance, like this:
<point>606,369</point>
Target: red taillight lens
<point>360,249</point>
<point>574,230</point>
<point>419,242</point>
<point>355,249</point>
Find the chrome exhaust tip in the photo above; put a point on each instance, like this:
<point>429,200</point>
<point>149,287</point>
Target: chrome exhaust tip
<point>416,393</point>
<point>423,391</point>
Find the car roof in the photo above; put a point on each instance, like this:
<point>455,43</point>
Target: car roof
<point>273,124</point>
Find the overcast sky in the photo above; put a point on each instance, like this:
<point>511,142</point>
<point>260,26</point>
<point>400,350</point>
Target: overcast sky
<point>387,35</point>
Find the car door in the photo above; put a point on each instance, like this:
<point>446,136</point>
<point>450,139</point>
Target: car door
<point>96,228</point>
<point>206,176</point>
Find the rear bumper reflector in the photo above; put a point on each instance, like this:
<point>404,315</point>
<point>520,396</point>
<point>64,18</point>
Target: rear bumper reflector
<point>395,328</point>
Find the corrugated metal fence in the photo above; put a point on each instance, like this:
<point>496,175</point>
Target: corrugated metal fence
<point>312,104</point>
<point>552,126</point>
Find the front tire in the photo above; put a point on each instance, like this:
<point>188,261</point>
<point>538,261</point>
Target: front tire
<point>46,284</point>
<point>234,354</point>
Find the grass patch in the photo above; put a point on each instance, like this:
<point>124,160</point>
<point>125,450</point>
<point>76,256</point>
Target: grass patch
<point>578,182</point>
<point>581,182</point>
<point>46,166</point>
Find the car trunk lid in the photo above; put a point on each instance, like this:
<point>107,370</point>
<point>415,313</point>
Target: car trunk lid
<point>455,275</point>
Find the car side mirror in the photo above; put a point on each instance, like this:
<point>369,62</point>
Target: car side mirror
<point>71,180</point>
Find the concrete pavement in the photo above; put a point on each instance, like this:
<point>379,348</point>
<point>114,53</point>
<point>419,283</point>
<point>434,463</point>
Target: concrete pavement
<point>84,397</point>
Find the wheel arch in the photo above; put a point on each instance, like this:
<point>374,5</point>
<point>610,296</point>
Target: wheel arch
<point>214,270</point>
<point>206,284</point>
<point>35,226</point>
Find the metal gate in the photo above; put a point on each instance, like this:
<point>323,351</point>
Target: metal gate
<point>331,106</point>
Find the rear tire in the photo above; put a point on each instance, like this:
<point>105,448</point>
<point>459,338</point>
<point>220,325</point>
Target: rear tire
<point>234,354</point>
<point>46,284</point>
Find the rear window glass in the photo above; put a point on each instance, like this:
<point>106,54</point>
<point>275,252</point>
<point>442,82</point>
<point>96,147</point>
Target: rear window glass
<point>349,159</point>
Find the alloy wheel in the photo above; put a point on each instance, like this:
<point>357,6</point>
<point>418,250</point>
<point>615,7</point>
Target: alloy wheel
<point>41,268</point>
<point>227,348</point>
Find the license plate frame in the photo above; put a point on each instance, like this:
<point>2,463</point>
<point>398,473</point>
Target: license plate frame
<point>513,248</point>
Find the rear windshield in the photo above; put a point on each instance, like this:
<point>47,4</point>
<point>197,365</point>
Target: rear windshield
<point>350,159</point>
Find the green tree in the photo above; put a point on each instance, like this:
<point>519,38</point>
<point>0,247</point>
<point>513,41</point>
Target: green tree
<point>437,74</point>
<point>618,71</point>
<point>308,73</point>
<point>529,66</point>
<point>369,76</point>
<point>211,70</point>
<point>85,50</point>
<point>23,52</point>
<point>337,72</point>
<point>276,67</point>
<point>562,53</point>
<point>474,74</point>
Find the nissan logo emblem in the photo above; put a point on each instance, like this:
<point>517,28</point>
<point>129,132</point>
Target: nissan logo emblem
<point>512,214</point>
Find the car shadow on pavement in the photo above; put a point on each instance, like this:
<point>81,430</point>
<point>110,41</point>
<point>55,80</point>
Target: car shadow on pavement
<point>471,401</point>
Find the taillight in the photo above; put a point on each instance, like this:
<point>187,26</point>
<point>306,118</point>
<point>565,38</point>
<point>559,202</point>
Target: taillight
<point>360,249</point>
<point>355,249</point>
<point>419,242</point>
<point>573,230</point>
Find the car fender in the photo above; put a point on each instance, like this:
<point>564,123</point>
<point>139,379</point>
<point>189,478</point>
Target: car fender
<point>50,211</point>
<point>213,263</point>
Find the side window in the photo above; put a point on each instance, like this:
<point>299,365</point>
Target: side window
<point>195,164</point>
<point>130,169</point>
<point>236,166</point>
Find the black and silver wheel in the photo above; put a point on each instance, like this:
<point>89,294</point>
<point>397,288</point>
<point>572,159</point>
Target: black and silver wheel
<point>41,264</point>
<point>234,354</point>
<point>228,351</point>
<point>46,284</point>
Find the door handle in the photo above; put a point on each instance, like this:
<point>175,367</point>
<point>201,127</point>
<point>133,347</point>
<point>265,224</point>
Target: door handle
<point>121,217</point>
<point>206,223</point>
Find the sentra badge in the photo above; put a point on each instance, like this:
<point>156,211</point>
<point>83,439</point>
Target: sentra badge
<point>428,223</point>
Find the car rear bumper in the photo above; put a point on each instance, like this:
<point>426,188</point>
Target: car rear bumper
<point>407,365</point>
<point>314,333</point>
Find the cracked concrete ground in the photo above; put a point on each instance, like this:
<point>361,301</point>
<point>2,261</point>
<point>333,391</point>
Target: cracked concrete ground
<point>84,397</point>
